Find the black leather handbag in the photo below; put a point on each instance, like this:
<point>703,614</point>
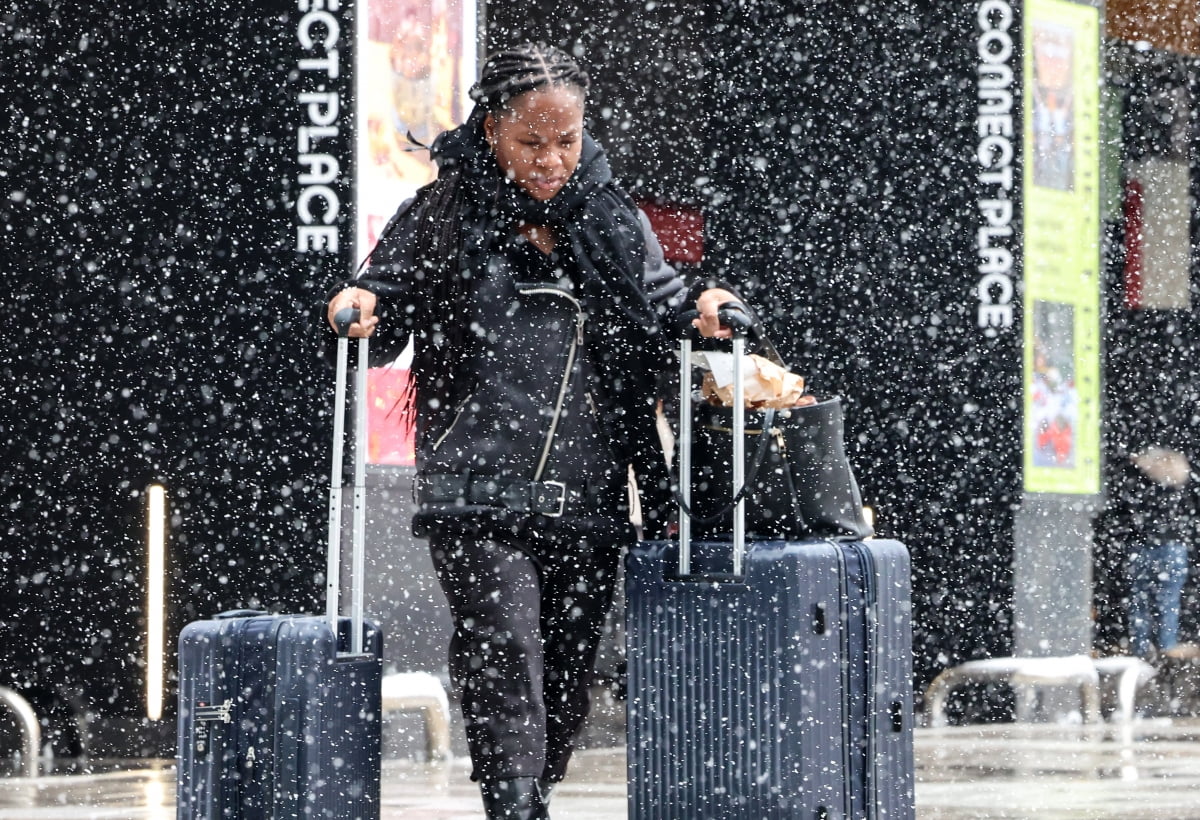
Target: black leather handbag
<point>798,482</point>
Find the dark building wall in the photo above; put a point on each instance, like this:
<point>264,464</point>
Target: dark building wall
<point>161,329</point>
<point>1152,387</point>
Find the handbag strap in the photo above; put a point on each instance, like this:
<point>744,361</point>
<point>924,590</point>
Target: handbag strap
<point>760,453</point>
<point>759,333</point>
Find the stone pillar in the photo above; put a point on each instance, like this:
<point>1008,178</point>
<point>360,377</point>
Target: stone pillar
<point>1052,588</point>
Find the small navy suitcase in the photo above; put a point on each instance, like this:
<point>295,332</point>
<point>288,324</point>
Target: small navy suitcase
<point>770,680</point>
<point>277,719</point>
<point>279,715</point>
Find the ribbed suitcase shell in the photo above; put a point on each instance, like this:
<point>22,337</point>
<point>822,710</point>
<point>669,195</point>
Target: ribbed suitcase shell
<point>785,693</point>
<point>274,723</point>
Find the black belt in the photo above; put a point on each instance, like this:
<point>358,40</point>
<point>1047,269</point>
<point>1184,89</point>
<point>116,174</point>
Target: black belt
<point>547,498</point>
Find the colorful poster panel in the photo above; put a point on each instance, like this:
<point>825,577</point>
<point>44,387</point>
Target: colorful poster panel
<point>416,61</point>
<point>1062,252</point>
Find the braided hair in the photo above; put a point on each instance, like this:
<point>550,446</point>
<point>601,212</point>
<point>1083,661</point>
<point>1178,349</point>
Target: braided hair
<point>511,73</point>
<point>505,76</point>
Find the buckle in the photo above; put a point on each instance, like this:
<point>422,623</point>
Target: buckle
<point>541,499</point>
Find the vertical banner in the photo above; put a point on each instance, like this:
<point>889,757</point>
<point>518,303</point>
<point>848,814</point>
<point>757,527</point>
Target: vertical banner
<point>1062,254</point>
<point>416,60</point>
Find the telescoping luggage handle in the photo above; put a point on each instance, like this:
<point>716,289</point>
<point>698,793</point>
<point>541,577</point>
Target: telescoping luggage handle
<point>736,317</point>
<point>343,319</point>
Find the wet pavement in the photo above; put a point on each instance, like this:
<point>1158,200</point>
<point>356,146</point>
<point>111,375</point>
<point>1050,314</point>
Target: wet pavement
<point>978,772</point>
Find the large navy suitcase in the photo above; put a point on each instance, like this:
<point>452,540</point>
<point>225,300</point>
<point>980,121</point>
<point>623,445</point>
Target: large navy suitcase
<point>784,692</point>
<point>766,680</point>
<point>279,715</point>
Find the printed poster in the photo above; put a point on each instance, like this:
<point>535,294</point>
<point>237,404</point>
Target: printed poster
<point>416,61</point>
<point>1062,251</point>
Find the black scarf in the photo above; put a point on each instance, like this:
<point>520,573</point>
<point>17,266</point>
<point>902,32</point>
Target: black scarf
<point>599,224</point>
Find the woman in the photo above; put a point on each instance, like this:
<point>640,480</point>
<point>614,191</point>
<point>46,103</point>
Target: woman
<point>538,300</point>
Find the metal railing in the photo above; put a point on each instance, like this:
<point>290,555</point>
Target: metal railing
<point>27,723</point>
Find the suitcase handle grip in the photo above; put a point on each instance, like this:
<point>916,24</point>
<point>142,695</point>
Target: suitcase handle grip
<point>744,323</point>
<point>733,315</point>
<point>344,318</point>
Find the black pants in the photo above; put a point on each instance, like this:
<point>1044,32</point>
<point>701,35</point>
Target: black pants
<point>529,605</point>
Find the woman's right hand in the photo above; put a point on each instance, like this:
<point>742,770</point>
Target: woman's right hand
<point>358,298</point>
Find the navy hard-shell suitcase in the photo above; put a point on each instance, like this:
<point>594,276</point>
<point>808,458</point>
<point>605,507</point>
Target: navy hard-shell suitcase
<point>279,715</point>
<point>783,693</point>
<point>277,719</point>
<point>767,680</point>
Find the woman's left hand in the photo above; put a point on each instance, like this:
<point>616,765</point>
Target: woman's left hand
<point>707,304</point>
